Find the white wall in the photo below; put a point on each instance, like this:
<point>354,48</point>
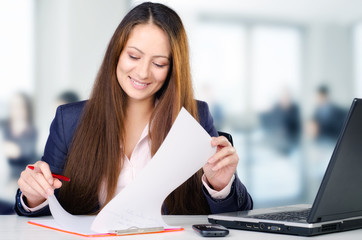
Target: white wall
<point>16,50</point>
<point>71,39</point>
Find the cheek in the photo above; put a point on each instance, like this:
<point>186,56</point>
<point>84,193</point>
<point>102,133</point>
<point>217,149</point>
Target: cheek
<point>124,66</point>
<point>160,76</point>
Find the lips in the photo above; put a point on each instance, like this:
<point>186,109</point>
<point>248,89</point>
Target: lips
<point>138,84</point>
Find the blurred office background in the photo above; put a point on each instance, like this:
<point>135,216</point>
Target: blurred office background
<point>279,75</point>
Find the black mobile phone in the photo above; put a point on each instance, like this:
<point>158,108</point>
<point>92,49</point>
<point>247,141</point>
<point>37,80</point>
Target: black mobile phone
<point>211,230</point>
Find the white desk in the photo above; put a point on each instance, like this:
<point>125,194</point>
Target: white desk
<point>15,227</point>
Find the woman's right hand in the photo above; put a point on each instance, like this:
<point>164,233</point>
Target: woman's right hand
<point>36,185</point>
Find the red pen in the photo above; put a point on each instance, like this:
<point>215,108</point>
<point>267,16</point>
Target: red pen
<point>60,177</point>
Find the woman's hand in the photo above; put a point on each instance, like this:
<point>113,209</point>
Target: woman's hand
<point>38,184</point>
<point>222,165</point>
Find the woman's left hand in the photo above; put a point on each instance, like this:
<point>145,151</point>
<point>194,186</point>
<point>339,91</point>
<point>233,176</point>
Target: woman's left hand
<point>222,165</point>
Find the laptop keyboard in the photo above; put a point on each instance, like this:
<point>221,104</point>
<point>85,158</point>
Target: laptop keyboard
<point>292,216</point>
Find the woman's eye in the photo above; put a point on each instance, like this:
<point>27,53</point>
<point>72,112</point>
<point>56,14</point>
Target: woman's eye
<point>159,65</point>
<point>133,57</point>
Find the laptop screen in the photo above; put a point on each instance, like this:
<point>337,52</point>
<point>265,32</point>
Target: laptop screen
<point>340,194</point>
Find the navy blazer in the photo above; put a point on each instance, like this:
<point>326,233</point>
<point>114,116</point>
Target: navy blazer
<point>60,137</point>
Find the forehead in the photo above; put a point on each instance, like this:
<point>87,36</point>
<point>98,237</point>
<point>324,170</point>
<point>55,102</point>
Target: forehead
<point>150,39</point>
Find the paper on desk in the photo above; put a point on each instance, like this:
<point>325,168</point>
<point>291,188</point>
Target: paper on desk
<point>72,223</point>
<point>184,151</point>
<point>65,222</point>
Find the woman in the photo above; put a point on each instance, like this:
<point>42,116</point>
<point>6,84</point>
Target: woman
<point>101,144</point>
<point>19,135</point>
<point>18,140</point>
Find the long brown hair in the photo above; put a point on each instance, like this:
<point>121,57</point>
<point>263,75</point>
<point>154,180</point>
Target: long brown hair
<point>97,150</point>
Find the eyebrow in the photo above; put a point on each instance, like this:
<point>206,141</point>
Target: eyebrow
<point>155,56</point>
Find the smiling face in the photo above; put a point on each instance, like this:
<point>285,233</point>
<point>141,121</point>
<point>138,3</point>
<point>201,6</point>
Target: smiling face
<point>144,62</point>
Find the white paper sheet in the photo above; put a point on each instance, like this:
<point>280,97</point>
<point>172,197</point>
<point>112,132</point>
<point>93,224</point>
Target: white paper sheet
<point>184,151</point>
<point>67,221</point>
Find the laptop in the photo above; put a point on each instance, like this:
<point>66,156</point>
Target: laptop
<point>338,203</point>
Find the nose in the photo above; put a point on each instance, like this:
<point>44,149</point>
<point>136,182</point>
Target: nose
<point>143,69</point>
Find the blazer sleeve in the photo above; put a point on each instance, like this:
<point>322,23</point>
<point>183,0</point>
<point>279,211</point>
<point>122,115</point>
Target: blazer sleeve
<point>238,199</point>
<point>55,153</point>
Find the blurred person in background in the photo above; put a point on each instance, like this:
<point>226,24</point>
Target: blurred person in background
<point>282,123</point>
<point>324,128</point>
<point>19,142</point>
<point>328,118</point>
<point>67,97</point>
<point>19,134</point>
<point>216,108</point>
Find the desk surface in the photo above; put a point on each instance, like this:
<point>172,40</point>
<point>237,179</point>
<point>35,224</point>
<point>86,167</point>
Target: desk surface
<point>15,227</point>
